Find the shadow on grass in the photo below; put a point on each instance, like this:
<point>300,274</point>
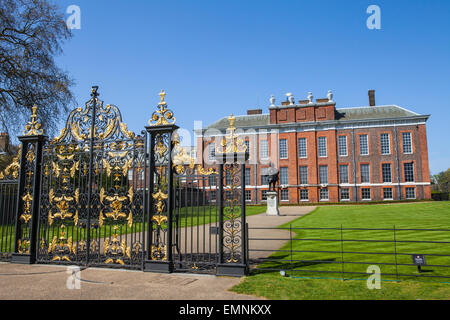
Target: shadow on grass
<point>258,266</point>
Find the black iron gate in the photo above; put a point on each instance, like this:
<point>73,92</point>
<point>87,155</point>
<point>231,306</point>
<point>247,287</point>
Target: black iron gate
<point>98,195</point>
<point>196,222</point>
<point>92,191</point>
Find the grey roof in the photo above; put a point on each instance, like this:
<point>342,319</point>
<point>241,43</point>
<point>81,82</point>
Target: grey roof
<point>343,114</point>
<point>378,112</point>
<point>242,121</point>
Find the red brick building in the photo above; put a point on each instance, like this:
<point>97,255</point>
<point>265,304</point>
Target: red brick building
<point>325,154</point>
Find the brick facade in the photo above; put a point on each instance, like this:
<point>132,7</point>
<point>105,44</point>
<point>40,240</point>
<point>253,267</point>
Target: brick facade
<point>321,119</point>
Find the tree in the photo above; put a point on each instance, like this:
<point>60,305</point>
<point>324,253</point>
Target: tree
<point>442,181</point>
<point>31,35</point>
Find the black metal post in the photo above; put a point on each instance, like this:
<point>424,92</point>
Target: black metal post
<point>19,256</point>
<point>163,264</point>
<point>94,95</point>
<point>219,197</point>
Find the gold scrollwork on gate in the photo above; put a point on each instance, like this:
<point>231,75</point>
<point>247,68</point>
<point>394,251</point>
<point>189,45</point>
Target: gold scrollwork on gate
<point>117,249</point>
<point>63,204</point>
<point>163,116</point>
<point>62,248</point>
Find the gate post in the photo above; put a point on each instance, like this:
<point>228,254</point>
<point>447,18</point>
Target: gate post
<point>27,209</point>
<point>160,191</point>
<point>232,228</point>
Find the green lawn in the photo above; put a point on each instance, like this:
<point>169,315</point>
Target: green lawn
<point>432,215</point>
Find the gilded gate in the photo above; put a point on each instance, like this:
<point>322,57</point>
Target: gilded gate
<point>92,191</point>
<point>100,195</point>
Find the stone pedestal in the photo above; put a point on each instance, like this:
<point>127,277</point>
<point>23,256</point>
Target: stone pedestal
<point>272,204</point>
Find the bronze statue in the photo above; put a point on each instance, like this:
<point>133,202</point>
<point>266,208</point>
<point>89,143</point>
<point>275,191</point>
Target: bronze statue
<point>273,177</point>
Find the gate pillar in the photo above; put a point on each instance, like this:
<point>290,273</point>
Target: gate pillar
<point>160,193</point>
<point>231,157</point>
<point>27,211</point>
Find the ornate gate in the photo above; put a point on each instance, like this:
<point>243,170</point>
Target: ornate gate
<point>92,191</point>
<point>98,195</point>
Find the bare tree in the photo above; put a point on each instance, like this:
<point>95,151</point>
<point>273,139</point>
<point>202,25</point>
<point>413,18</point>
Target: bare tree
<point>31,35</point>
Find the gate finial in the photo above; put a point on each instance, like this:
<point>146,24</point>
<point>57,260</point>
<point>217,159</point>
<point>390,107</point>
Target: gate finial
<point>33,128</point>
<point>163,116</point>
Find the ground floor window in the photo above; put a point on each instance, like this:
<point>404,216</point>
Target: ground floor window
<point>284,195</point>
<point>324,195</point>
<point>212,195</point>
<point>264,195</point>
<point>345,194</point>
<point>387,194</point>
<point>410,193</point>
<point>248,195</point>
<point>304,195</point>
<point>366,194</point>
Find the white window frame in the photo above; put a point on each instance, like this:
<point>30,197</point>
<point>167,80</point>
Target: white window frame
<point>410,142</point>
<point>286,170</point>
<point>305,148</point>
<point>300,175</point>
<point>392,194</point>
<point>390,172</point>
<point>347,173</point>
<point>361,172</point>
<point>388,141</point>
<point>340,144</point>
<point>264,149</point>
<point>348,191</point>
<point>328,194</point>
<point>320,175</point>
<point>307,193</point>
<point>286,147</point>
<point>362,194</point>
<point>211,151</point>
<point>367,145</point>
<point>284,192</point>
<point>406,193</point>
<point>320,147</point>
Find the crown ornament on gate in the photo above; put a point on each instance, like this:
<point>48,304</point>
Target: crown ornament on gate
<point>232,143</point>
<point>33,128</point>
<point>163,116</point>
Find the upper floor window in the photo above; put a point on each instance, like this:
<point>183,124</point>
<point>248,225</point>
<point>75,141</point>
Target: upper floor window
<point>322,147</point>
<point>283,149</point>
<point>212,180</point>
<point>343,173</point>
<point>248,176</point>
<point>323,174</point>
<point>364,145</point>
<point>342,143</point>
<point>264,149</point>
<point>284,177</point>
<point>409,171</point>
<point>211,151</point>
<point>302,148</point>
<point>247,144</point>
<point>385,143</point>
<point>407,142</point>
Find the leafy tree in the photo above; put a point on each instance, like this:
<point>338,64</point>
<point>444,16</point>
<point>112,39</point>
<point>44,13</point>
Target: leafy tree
<point>441,181</point>
<point>31,35</point>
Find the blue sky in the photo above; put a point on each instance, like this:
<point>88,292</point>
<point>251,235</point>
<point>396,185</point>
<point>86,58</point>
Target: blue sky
<point>214,57</point>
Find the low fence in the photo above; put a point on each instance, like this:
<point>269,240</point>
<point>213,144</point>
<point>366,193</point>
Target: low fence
<point>8,203</point>
<point>346,253</point>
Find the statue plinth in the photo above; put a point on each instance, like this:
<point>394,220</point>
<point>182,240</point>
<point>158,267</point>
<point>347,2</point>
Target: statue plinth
<point>272,204</point>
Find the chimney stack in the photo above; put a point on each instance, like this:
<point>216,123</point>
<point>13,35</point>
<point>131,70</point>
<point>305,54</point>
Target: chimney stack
<point>372,98</point>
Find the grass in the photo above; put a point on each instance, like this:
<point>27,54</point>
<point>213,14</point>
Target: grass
<point>432,215</point>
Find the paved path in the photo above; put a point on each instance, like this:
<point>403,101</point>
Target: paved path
<point>41,282</point>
